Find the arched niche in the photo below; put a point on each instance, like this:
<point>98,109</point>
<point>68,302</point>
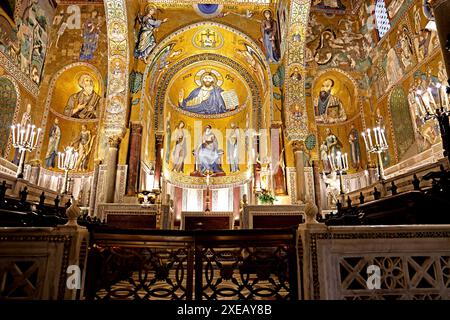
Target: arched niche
<point>72,86</point>
<point>184,43</point>
<point>10,98</point>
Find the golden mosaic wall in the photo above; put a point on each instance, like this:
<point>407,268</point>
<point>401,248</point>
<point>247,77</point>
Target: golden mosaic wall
<point>382,72</point>
<point>76,60</point>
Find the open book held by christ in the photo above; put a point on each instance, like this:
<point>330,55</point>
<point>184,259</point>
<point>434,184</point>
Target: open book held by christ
<point>231,99</point>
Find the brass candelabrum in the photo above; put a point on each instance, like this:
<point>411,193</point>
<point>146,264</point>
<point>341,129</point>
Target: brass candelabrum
<point>339,164</point>
<point>377,145</point>
<point>67,161</point>
<point>439,111</point>
<point>24,138</point>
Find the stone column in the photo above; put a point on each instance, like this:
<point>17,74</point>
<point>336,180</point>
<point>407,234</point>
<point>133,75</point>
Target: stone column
<point>299,170</point>
<point>317,185</point>
<point>93,195</point>
<point>111,165</point>
<point>178,202</point>
<point>441,10</point>
<point>158,161</point>
<point>256,165</point>
<point>134,158</point>
<point>277,155</point>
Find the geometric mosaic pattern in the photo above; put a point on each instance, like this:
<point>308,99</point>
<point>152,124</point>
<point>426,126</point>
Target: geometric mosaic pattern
<point>381,16</point>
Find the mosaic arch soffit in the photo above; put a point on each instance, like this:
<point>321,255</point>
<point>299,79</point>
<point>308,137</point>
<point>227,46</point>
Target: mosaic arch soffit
<point>189,27</point>
<point>118,51</point>
<point>177,67</point>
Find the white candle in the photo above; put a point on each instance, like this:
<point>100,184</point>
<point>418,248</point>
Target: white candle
<point>375,133</point>
<point>13,134</point>
<point>33,134</point>
<point>346,161</point>
<point>365,140</point>
<point>18,134</point>
<point>59,160</point>
<point>27,134</point>
<point>38,134</point>
<point>75,158</point>
<point>339,161</point>
<point>430,91</point>
<point>22,136</point>
<point>438,87</point>
<point>384,137</point>
<point>370,138</point>
<point>380,136</point>
<point>330,160</point>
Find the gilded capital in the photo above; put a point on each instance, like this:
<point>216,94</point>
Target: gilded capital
<point>298,145</point>
<point>114,141</point>
<point>136,128</point>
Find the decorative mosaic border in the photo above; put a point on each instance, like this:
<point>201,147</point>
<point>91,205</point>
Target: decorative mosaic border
<point>17,74</point>
<point>296,128</point>
<point>185,181</point>
<point>291,184</point>
<point>118,50</point>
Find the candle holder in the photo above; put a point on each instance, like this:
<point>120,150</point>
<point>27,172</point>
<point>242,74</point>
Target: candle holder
<point>66,162</point>
<point>339,164</point>
<point>24,139</point>
<point>380,146</point>
<point>440,113</point>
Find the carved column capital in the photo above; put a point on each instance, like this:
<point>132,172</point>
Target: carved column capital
<point>298,145</point>
<point>159,138</point>
<point>136,128</point>
<point>276,125</point>
<point>114,141</point>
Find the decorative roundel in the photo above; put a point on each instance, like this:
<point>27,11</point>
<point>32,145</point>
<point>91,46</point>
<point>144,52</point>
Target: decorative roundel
<point>208,10</point>
<point>310,142</point>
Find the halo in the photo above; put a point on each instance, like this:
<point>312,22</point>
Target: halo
<point>265,10</point>
<point>150,5</point>
<point>198,76</point>
<point>80,73</point>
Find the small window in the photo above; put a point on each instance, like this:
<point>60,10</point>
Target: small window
<point>381,15</point>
